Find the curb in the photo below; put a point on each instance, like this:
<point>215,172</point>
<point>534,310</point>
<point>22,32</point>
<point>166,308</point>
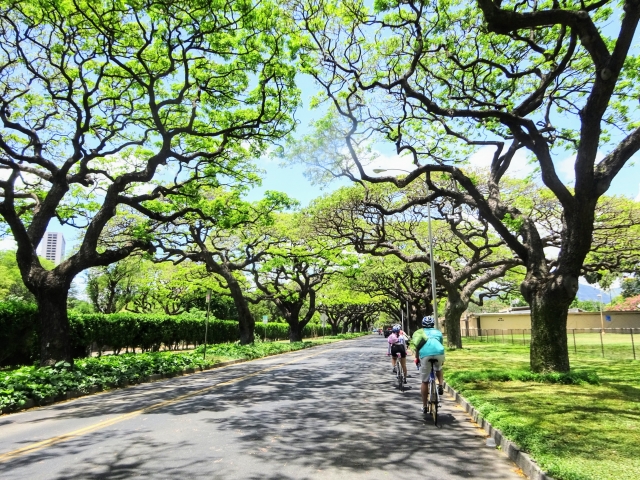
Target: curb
<point>528,466</point>
<point>31,403</point>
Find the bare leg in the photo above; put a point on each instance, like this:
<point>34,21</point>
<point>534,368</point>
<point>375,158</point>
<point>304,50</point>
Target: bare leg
<point>393,362</point>
<point>424,391</point>
<point>403,362</point>
<point>440,378</point>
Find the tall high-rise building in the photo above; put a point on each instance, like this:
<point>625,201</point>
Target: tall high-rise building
<point>52,247</point>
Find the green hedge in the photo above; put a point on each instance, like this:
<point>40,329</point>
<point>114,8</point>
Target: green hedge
<point>18,336</point>
<point>280,331</point>
<point>127,330</point>
<point>19,342</point>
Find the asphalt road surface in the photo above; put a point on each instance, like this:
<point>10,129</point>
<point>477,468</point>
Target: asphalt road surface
<point>330,412</point>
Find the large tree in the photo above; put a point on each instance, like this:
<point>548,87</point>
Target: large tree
<point>441,79</point>
<point>11,285</point>
<point>405,288</point>
<point>467,256</point>
<point>100,98</point>
<point>345,306</point>
<point>226,234</point>
<point>110,288</point>
<point>294,268</point>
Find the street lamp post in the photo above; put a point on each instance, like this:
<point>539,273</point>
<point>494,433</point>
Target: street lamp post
<point>408,322</point>
<point>601,314</point>
<point>433,270</point>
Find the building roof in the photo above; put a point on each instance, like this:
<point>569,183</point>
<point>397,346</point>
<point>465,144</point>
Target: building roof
<point>631,304</point>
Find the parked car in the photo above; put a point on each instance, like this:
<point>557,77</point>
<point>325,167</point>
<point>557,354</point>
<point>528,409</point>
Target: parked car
<point>387,331</point>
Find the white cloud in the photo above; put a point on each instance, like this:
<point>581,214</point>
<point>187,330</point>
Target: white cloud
<point>396,164</point>
<point>519,167</point>
<point>482,159</point>
<point>551,252</point>
<point>565,168</point>
<point>8,244</point>
<point>5,173</point>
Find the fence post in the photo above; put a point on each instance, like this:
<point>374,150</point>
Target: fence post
<point>575,349</point>
<point>633,345</point>
<point>523,342</point>
<point>503,335</point>
<point>512,342</point>
<point>601,343</point>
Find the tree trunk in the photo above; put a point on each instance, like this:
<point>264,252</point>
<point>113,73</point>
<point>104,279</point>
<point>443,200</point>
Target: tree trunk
<point>295,331</point>
<point>334,328</point>
<point>55,342</point>
<point>414,320</point>
<point>246,322</point>
<point>453,311</point>
<point>549,297</point>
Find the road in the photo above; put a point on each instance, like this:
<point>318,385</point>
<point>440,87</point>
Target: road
<point>330,412</point>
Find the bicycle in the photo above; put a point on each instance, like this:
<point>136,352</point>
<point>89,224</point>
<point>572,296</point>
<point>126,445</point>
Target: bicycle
<point>399,372</point>
<point>434,397</point>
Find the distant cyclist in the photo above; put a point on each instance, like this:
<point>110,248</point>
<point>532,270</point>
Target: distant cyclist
<point>428,344</point>
<point>397,344</point>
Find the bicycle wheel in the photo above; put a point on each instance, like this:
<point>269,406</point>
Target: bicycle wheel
<point>433,400</point>
<point>428,409</point>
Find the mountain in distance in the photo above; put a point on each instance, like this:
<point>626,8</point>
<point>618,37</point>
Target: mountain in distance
<point>587,292</point>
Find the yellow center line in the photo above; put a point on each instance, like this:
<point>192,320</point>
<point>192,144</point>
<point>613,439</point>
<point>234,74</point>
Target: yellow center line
<point>106,423</point>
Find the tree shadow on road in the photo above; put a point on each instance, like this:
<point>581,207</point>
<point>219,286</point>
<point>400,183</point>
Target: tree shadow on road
<point>309,419</point>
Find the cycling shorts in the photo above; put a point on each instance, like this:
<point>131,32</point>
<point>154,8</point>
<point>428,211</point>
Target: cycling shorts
<point>425,369</point>
<point>395,349</point>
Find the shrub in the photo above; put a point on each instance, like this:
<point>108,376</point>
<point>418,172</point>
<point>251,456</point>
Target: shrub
<point>19,339</point>
<point>19,342</point>
<point>570,378</point>
<point>18,333</point>
<point>148,332</point>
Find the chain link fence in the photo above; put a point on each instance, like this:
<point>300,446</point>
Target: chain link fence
<point>614,343</point>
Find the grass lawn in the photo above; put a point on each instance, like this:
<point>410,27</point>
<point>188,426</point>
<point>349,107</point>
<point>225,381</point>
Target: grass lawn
<point>574,431</point>
<point>617,344</point>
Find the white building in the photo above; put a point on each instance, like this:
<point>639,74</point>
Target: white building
<point>52,247</point>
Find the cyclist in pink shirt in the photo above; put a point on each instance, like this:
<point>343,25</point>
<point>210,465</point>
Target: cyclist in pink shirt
<point>397,344</point>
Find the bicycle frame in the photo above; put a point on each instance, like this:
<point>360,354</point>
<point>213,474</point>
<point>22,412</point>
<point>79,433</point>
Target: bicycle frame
<point>399,371</point>
<point>434,396</point>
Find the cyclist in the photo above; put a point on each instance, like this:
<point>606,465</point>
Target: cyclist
<point>397,344</point>
<point>428,344</point>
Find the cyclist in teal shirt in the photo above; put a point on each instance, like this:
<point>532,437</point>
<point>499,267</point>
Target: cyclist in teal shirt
<point>427,343</point>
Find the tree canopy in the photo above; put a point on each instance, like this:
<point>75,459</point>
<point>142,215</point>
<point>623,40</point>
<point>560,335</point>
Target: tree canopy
<point>439,80</point>
<point>110,108</point>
